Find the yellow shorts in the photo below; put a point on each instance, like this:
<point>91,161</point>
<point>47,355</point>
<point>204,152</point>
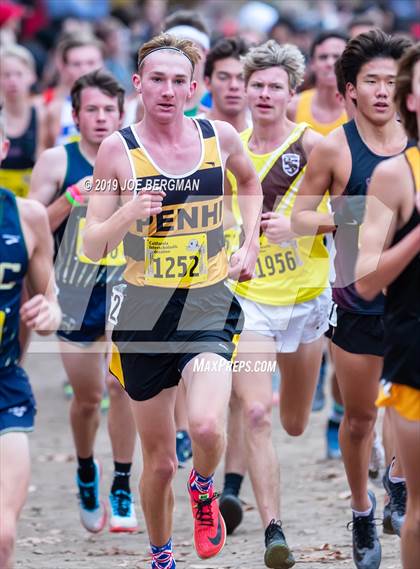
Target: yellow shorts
<point>405,400</point>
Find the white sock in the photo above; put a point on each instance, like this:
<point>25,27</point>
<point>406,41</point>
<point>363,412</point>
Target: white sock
<point>363,514</point>
<point>395,479</point>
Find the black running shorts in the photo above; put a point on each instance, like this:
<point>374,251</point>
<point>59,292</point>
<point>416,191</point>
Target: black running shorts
<point>158,331</point>
<point>358,333</point>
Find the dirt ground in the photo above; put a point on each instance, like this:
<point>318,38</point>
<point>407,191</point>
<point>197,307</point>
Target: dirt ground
<point>315,508</point>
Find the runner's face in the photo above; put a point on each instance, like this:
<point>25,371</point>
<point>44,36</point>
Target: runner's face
<point>268,94</point>
<point>374,90</point>
<point>81,60</point>
<point>165,85</point>
<point>98,116</point>
<point>325,56</point>
<point>413,99</point>
<point>16,78</point>
<point>227,86</point>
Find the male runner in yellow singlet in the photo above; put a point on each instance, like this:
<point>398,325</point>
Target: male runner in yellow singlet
<point>176,317</point>
<point>286,304</point>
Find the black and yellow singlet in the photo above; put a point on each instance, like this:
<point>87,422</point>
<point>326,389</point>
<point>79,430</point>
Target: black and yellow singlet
<point>16,168</point>
<point>183,246</point>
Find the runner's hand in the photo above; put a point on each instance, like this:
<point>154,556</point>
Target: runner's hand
<point>145,204</point>
<point>276,227</point>
<point>242,263</point>
<point>85,188</point>
<point>39,314</point>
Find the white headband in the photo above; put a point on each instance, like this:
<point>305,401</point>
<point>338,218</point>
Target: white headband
<point>190,33</point>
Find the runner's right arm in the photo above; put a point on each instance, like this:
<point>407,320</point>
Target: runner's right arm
<point>41,312</point>
<point>47,177</point>
<point>318,178</point>
<point>106,222</point>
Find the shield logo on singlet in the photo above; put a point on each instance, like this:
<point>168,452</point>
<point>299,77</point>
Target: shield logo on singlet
<point>290,163</point>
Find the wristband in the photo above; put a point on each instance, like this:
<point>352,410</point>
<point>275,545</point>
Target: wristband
<point>70,198</point>
<point>75,193</point>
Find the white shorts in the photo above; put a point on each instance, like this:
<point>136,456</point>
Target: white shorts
<point>289,326</point>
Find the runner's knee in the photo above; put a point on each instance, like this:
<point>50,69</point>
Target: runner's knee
<point>257,416</point>
<point>206,432</point>
<point>88,405</point>
<point>292,424</point>
<point>360,426</point>
<point>161,467</point>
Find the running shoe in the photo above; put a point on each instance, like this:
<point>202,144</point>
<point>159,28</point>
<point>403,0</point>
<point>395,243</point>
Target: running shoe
<point>93,512</point>
<point>277,553</point>
<point>209,525</point>
<point>164,560</point>
<point>397,493</point>
<point>183,448</point>
<point>123,515</point>
<point>333,444</point>
<point>231,508</point>
<point>377,461</point>
<point>387,523</point>
<point>366,546</point>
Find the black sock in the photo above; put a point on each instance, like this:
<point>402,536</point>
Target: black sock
<point>86,470</point>
<point>122,471</point>
<point>233,483</point>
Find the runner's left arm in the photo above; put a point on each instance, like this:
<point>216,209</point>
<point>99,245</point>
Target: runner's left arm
<point>378,264</point>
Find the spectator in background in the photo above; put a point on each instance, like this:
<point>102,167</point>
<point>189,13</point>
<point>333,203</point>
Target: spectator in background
<point>25,123</point>
<point>11,15</point>
<point>360,25</point>
<point>77,55</point>
<point>284,30</point>
<point>224,78</point>
<point>186,24</point>
<point>87,10</point>
<point>114,37</point>
<point>320,106</point>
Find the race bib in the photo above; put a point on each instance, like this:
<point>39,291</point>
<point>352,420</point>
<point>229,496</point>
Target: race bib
<point>117,298</point>
<point>177,261</point>
<point>232,240</point>
<point>114,259</point>
<point>275,260</point>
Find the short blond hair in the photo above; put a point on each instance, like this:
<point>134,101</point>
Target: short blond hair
<point>271,54</point>
<point>19,52</point>
<point>168,41</point>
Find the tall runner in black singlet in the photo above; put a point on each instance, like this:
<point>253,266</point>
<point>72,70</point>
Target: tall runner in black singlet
<point>25,252</point>
<point>176,316</point>
<point>389,258</point>
<point>61,181</point>
<point>344,163</point>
